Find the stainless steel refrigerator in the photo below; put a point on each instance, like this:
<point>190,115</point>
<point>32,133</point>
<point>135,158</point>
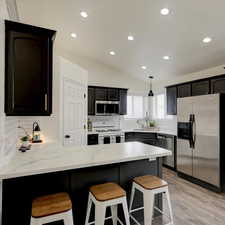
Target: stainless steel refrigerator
<point>199,141</point>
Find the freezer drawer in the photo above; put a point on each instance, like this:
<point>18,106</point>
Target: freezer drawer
<point>184,157</point>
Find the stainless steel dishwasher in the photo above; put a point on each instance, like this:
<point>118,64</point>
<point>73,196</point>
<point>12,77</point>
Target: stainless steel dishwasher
<point>168,142</point>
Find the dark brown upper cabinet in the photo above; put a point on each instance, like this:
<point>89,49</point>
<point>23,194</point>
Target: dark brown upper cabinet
<point>98,93</point>
<point>184,90</point>
<point>91,101</point>
<point>123,101</point>
<point>113,94</point>
<point>218,85</point>
<point>200,88</point>
<point>28,70</point>
<point>171,93</point>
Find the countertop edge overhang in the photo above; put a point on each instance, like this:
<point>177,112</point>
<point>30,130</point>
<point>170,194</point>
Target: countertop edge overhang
<point>50,159</point>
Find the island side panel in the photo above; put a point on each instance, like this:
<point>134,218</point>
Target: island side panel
<point>0,202</point>
<point>19,192</point>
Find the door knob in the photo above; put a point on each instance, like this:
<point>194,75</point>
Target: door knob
<point>67,136</point>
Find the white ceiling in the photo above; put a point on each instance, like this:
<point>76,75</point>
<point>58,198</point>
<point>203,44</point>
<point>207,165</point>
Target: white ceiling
<point>178,35</point>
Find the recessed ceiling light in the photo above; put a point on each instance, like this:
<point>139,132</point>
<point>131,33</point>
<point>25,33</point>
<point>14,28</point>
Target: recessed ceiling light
<point>207,40</point>
<point>73,35</point>
<point>130,38</point>
<point>84,14</point>
<point>144,67</point>
<point>112,53</point>
<point>166,57</point>
<point>165,11</point>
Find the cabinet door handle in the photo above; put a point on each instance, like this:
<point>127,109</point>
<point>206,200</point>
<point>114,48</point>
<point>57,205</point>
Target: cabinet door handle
<point>84,127</point>
<point>46,102</point>
<point>67,136</point>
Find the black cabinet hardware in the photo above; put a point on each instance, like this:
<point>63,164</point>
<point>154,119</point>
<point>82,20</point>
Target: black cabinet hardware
<point>67,136</point>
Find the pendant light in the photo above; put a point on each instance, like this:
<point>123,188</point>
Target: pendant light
<point>150,93</point>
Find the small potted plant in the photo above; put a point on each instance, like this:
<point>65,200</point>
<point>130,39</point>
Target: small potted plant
<point>25,141</point>
<point>152,123</point>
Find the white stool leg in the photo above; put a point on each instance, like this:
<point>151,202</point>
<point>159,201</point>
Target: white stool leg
<point>34,221</point>
<point>149,198</point>
<point>131,198</point>
<point>170,206</point>
<point>100,214</point>
<point>125,210</point>
<point>88,210</point>
<point>68,220</point>
<point>114,214</point>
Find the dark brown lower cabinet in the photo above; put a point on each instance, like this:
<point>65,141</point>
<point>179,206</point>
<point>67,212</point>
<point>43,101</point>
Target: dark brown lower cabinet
<point>92,139</point>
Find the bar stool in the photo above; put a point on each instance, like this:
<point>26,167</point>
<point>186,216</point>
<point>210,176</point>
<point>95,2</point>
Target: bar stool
<point>150,186</point>
<point>103,196</point>
<point>52,208</point>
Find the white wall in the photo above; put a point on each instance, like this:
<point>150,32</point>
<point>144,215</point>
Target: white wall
<point>100,74</point>
<point>214,71</point>
<point>3,15</point>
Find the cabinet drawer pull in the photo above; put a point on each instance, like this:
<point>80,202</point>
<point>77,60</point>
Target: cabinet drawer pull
<point>46,102</point>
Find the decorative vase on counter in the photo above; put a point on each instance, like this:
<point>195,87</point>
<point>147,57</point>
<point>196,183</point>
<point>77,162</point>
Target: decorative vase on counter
<point>25,144</point>
<point>25,141</point>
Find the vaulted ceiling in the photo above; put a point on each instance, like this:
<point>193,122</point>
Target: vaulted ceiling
<point>109,22</point>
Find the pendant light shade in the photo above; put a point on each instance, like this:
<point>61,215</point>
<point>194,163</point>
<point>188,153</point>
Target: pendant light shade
<point>150,93</point>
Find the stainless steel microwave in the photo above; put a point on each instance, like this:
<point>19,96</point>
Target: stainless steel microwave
<point>107,108</point>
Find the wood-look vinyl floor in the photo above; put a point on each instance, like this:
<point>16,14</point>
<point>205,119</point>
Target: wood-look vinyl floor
<point>192,204</point>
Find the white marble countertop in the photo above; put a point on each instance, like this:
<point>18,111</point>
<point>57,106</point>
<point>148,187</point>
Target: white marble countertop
<point>52,158</point>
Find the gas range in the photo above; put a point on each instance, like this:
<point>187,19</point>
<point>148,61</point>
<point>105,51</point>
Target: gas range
<point>109,131</point>
<point>108,136</point>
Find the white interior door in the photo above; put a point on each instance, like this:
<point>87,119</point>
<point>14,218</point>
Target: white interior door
<point>75,113</point>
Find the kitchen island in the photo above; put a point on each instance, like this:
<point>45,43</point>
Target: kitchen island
<point>47,170</point>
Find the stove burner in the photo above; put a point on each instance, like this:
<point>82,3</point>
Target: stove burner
<point>108,130</point>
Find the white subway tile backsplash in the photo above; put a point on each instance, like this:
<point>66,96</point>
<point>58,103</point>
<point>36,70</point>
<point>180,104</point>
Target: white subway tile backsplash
<point>10,137</point>
<point>27,124</point>
<point>105,121</point>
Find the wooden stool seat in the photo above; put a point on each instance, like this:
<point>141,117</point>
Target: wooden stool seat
<point>51,204</point>
<point>107,191</point>
<point>150,182</point>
